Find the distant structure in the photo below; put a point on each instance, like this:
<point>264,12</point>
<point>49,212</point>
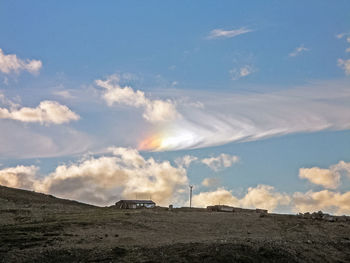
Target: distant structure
<point>226,208</point>
<point>135,204</point>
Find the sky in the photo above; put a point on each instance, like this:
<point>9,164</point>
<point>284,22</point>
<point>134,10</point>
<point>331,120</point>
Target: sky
<point>249,102</point>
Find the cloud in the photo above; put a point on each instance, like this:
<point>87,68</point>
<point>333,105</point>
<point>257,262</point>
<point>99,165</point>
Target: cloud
<point>186,160</point>
<point>345,65</point>
<point>106,179</point>
<point>237,117</point>
<point>328,178</point>
<point>219,196</point>
<point>325,200</point>
<point>262,196</point>
<point>10,63</point>
<point>154,110</point>
<point>20,176</point>
<point>341,35</point>
<point>241,72</point>
<point>127,174</point>
<point>221,33</point>
<point>298,51</point>
<point>220,162</point>
<point>66,94</point>
<point>46,112</point>
<point>210,182</point>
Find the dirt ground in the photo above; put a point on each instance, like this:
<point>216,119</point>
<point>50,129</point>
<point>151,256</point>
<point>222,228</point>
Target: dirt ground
<point>46,229</point>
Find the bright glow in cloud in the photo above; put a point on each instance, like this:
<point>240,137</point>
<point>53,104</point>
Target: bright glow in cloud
<point>221,161</point>
<point>10,63</point>
<point>298,51</point>
<point>154,110</point>
<point>46,112</point>
<point>221,33</point>
<point>329,178</point>
<point>345,65</point>
<point>241,72</point>
<point>253,116</point>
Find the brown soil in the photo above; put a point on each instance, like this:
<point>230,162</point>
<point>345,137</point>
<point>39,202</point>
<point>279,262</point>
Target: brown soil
<point>40,228</point>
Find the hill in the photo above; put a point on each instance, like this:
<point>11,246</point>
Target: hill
<point>41,228</point>
<point>18,197</point>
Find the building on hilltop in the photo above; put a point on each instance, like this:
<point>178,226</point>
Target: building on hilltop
<point>135,204</point>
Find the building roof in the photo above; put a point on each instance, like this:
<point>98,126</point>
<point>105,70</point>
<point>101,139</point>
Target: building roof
<point>137,201</point>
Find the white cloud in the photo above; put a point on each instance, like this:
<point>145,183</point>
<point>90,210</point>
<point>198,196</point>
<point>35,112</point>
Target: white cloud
<point>262,196</point>
<point>329,178</point>
<point>298,51</point>
<point>19,176</point>
<point>126,174</point>
<point>46,112</point>
<point>325,200</point>
<point>341,35</point>
<point>241,72</point>
<point>345,65</point>
<point>106,179</point>
<point>154,110</point>
<point>252,116</point>
<point>219,162</point>
<point>10,63</point>
<point>221,33</point>
<point>186,160</point>
<point>66,94</point>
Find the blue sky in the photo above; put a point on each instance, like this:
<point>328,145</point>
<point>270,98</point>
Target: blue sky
<point>255,94</point>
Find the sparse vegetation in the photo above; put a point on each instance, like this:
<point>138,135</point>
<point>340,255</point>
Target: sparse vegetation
<point>39,228</point>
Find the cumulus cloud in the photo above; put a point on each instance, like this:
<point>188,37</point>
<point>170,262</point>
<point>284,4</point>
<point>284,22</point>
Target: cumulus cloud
<point>219,162</point>
<point>298,51</point>
<point>153,110</point>
<point>186,160</point>
<point>106,179</point>
<point>221,33</point>
<point>20,176</point>
<point>46,112</point>
<point>241,72</point>
<point>328,178</point>
<point>325,200</point>
<point>345,65</point>
<point>10,63</point>
<point>262,196</point>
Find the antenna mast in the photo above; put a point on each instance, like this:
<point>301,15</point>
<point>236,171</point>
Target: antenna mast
<point>191,186</point>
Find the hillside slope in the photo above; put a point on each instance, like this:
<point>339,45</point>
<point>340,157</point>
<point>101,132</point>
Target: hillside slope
<point>10,197</point>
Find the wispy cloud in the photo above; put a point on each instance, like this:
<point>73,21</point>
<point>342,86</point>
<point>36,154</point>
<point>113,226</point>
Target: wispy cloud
<point>221,161</point>
<point>11,63</point>
<point>345,65</point>
<point>221,33</point>
<point>253,116</point>
<point>242,72</point>
<point>298,51</point>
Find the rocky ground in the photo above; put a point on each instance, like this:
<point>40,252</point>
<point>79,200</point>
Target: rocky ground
<point>41,228</point>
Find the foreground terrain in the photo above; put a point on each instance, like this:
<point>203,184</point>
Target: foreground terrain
<point>41,228</point>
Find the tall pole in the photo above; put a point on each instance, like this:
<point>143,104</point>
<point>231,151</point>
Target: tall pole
<point>191,186</point>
